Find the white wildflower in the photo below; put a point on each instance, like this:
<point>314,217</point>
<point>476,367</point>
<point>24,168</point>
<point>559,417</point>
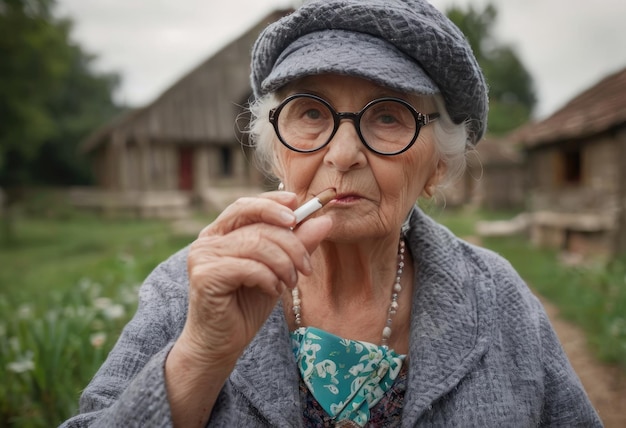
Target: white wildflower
<point>114,312</point>
<point>90,288</point>
<point>24,312</point>
<point>22,365</point>
<point>102,303</point>
<point>51,316</point>
<point>98,339</point>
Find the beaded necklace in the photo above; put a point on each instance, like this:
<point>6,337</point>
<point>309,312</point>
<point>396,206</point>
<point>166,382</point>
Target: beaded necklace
<point>393,307</point>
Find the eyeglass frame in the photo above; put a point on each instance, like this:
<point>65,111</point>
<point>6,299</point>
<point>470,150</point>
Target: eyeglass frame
<point>421,120</point>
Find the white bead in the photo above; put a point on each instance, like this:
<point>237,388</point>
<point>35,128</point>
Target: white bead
<point>386,333</point>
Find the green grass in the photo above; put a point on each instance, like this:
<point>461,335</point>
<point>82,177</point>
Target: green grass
<point>67,287</point>
<point>58,253</point>
<point>462,220</point>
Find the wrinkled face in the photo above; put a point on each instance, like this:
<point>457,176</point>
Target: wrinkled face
<point>374,192</point>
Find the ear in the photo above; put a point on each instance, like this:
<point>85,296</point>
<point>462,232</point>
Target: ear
<point>433,181</point>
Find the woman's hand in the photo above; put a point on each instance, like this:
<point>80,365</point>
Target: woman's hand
<point>238,268</point>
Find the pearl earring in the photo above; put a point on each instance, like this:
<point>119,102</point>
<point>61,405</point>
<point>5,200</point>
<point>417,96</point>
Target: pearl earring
<point>281,186</point>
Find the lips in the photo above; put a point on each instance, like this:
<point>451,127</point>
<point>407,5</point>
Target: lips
<point>347,197</point>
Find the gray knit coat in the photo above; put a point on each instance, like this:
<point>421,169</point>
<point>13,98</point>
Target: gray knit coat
<point>482,353</point>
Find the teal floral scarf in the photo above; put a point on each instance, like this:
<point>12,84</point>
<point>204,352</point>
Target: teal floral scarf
<point>346,377</point>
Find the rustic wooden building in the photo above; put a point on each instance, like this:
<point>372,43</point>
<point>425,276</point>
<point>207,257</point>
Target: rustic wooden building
<point>500,167</point>
<point>577,172</point>
<point>494,178</point>
<point>185,146</point>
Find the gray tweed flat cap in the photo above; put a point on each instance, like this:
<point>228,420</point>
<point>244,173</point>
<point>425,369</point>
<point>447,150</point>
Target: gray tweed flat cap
<point>407,45</point>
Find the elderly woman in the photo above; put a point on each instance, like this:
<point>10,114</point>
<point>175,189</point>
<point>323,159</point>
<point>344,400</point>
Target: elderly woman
<point>367,313</point>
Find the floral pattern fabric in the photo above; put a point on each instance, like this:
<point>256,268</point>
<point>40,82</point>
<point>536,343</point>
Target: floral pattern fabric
<point>387,413</point>
<point>346,377</point>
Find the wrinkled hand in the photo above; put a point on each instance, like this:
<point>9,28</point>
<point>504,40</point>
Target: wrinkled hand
<point>238,268</point>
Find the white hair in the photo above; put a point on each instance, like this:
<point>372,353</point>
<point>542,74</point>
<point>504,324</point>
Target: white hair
<point>261,133</point>
<point>450,138</point>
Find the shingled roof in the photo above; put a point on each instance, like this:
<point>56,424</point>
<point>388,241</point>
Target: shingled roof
<point>200,107</point>
<point>600,108</point>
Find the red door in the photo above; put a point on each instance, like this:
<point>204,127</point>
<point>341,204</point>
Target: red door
<point>185,168</point>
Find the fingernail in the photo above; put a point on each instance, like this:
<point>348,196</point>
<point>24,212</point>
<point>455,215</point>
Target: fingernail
<point>287,216</point>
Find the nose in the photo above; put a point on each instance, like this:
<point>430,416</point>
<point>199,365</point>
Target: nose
<point>345,150</point>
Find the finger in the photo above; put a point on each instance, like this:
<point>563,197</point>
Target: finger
<point>283,197</point>
<point>313,231</point>
<point>272,246</point>
<point>276,247</point>
<point>217,278</point>
<point>271,208</point>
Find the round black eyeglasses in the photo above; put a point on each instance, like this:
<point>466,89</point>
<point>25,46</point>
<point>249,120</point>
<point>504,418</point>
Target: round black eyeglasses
<point>306,123</point>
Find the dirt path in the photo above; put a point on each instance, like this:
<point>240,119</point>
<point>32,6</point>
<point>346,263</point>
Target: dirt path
<point>606,385</point>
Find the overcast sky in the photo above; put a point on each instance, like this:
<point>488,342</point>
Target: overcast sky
<point>567,45</point>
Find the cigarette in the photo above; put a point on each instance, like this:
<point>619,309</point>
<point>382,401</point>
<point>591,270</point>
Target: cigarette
<point>314,204</point>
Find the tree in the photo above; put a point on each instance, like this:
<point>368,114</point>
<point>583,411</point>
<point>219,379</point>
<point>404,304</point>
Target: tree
<point>83,104</point>
<point>511,91</point>
<point>50,98</point>
<point>30,73</point>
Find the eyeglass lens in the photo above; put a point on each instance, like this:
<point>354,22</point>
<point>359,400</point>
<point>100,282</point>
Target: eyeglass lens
<point>386,126</point>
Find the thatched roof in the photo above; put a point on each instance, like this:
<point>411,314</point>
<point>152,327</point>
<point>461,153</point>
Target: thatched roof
<point>600,108</point>
<point>201,107</point>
